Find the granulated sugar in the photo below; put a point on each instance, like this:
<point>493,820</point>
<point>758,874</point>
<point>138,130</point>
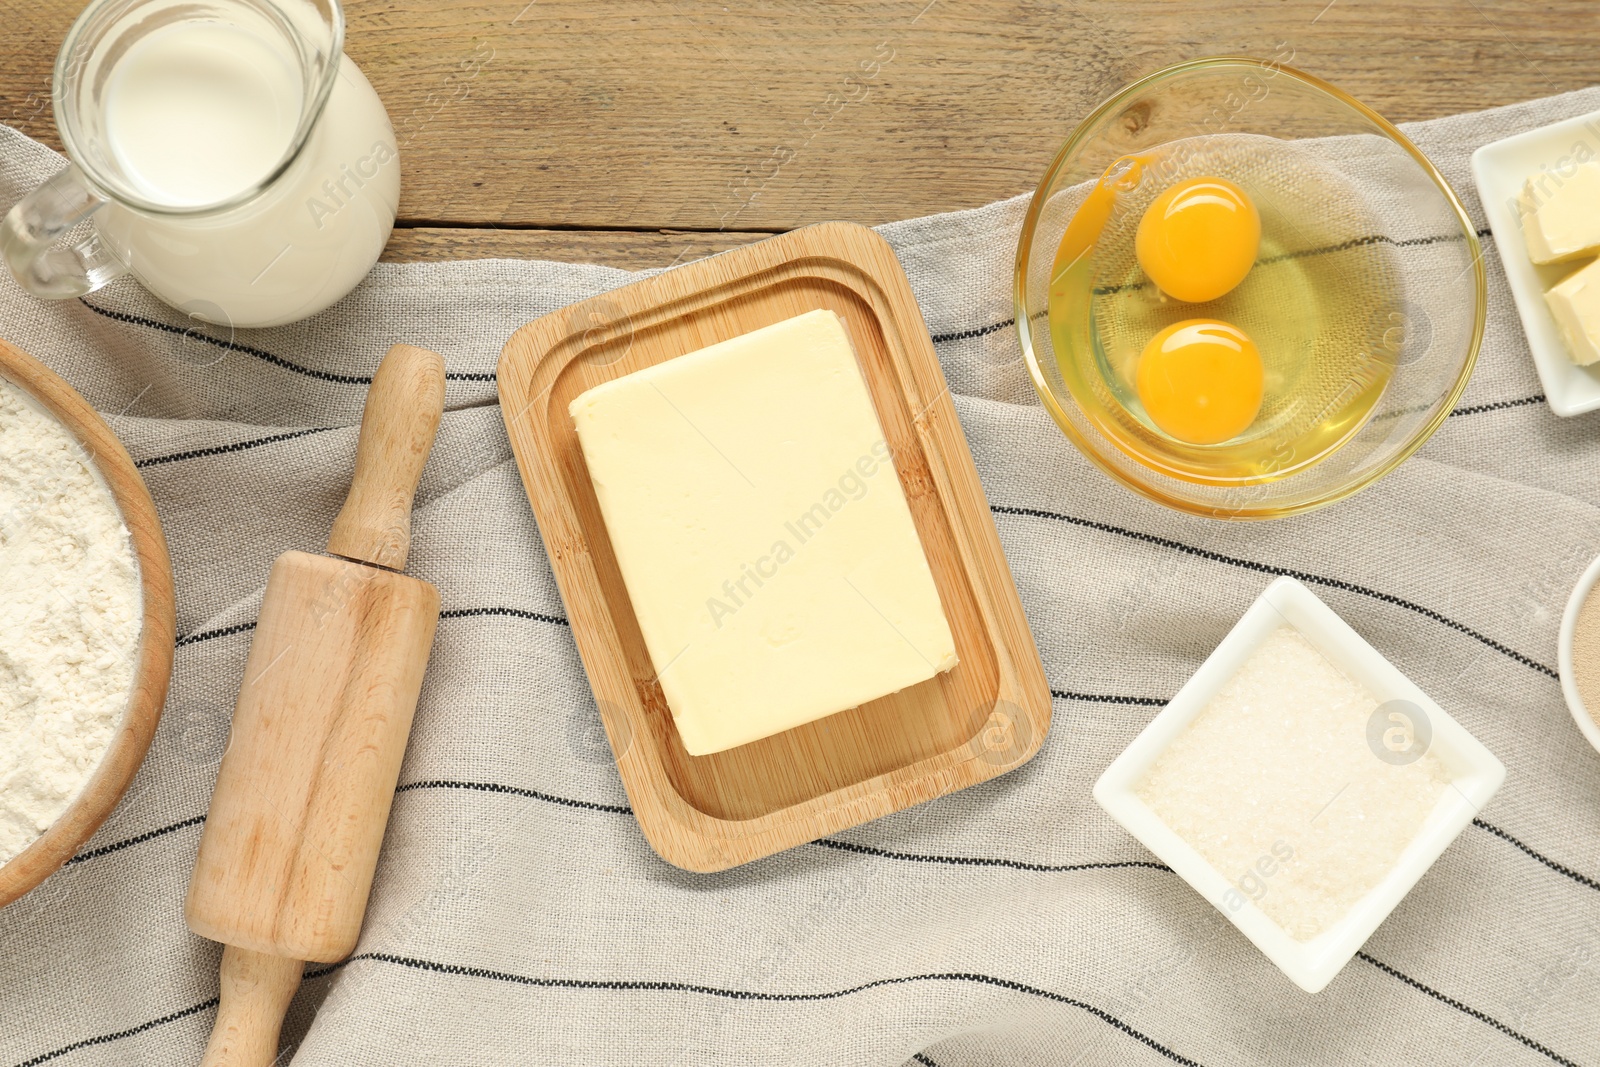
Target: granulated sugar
<point>69,620</point>
<point>1276,785</point>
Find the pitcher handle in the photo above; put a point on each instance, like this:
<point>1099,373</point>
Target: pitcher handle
<point>32,231</point>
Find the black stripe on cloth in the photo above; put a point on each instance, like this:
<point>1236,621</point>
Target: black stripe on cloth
<point>619,809</point>
<point>1373,239</point>
<point>625,986</point>
<point>964,335</point>
<point>1474,1012</point>
<point>148,835</point>
<point>984,331</point>
<point>1500,405</point>
<point>1103,698</point>
<point>453,613</point>
<point>642,986</point>
<point>1267,568</point>
<point>1343,246</point>
<point>210,635</point>
<point>843,846</point>
<point>923,1059</point>
<point>259,353</point>
<point>539,616</point>
<point>515,613</point>
<point>985,861</point>
<point>222,450</point>
<point>1307,253</point>
<point>106,1039</point>
<point>227,346</point>
<point>1581,879</point>
<point>492,787</point>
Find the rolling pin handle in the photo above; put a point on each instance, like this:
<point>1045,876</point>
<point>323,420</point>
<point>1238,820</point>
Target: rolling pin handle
<point>255,995</point>
<point>404,404</point>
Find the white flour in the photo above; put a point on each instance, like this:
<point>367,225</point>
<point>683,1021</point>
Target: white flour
<point>69,620</point>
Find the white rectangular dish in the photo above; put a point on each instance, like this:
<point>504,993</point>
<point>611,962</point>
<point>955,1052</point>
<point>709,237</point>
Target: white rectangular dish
<point>1500,169</point>
<point>1474,775</point>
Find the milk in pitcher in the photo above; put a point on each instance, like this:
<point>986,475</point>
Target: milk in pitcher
<point>200,112</point>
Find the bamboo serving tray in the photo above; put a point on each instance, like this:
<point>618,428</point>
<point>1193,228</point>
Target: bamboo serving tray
<point>984,717</point>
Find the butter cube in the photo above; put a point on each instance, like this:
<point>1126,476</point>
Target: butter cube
<point>762,533</point>
<point>1561,215</point>
<point>1575,304</point>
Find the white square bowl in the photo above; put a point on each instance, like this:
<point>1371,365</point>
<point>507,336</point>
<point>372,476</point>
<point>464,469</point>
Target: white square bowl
<point>1500,169</point>
<point>1474,771</point>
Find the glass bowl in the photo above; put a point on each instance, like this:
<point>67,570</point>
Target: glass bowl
<point>1367,301</point>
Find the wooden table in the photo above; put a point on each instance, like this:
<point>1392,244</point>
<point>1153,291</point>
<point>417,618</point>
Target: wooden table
<point>641,134</point>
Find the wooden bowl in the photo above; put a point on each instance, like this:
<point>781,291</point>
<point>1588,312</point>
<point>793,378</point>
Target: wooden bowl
<point>131,741</point>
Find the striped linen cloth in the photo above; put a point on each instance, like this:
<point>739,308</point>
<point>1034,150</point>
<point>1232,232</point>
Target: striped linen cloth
<point>518,915</point>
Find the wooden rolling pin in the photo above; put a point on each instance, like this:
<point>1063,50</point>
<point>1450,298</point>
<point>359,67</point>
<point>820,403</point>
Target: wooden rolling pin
<point>325,707</point>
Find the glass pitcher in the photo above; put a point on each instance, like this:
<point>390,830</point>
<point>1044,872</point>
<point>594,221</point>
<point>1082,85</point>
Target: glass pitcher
<point>225,152</point>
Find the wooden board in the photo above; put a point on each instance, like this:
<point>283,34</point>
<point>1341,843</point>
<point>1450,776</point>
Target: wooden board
<point>156,639</point>
<point>986,716</point>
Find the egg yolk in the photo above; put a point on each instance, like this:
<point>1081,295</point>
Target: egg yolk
<point>1198,239</point>
<point>1200,381</point>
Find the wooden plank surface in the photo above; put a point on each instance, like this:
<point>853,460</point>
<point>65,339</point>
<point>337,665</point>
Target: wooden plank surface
<point>637,117</point>
<point>627,249</point>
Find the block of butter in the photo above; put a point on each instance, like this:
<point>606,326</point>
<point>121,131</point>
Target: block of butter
<point>1575,304</point>
<point>1561,215</point>
<point>762,533</point>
